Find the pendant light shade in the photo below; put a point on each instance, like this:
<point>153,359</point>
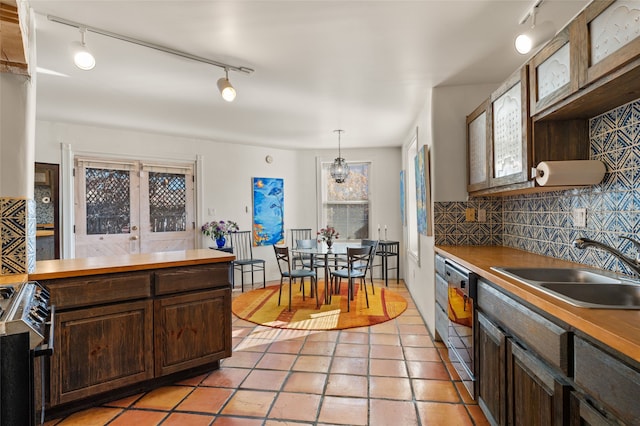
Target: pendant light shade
<point>226,89</point>
<point>82,57</point>
<point>339,169</point>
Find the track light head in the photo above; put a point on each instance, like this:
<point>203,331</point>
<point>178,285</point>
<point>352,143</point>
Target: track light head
<point>82,57</point>
<point>523,44</point>
<point>226,89</point>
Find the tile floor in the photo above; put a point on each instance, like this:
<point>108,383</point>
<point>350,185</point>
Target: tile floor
<point>388,374</point>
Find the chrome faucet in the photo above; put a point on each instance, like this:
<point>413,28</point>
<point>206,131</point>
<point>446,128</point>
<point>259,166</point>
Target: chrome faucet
<point>583,243</point>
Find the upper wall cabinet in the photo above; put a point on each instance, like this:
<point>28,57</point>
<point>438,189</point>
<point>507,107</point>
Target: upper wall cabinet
<point>608,33</point>
<point>478,133</point>
<point>511,131</point>
<point>553,71</point>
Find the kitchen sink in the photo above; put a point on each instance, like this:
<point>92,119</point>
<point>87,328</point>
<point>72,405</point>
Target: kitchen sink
<point>583,287</point>
<point>597,295</point>
<point>563,275</point>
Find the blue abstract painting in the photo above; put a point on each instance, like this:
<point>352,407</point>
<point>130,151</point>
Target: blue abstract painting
<point>268,211</point>
<point>403,218</point>
<point>421,190</point>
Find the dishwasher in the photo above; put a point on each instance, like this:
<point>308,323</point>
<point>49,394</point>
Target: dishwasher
<point>462,289</point>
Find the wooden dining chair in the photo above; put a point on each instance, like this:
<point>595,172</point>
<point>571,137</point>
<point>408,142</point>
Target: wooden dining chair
<point>355,257</point>
<point>242,245</point>
<point>284,265</point>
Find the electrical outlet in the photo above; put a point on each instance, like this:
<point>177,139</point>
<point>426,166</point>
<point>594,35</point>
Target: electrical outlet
<point>470,214</point>
<point>579,217</point>
<point>482,215</point>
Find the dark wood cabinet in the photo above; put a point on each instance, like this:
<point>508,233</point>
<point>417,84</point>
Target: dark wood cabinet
<point>516,383</point>
<point>492,383</point>
<point>129,329</point>
<point>608,38</point>
<point>191,330</point>
<point>100,349</point>
<point>538,395</point>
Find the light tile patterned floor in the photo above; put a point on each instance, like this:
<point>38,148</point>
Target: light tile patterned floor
<point>389,374</point>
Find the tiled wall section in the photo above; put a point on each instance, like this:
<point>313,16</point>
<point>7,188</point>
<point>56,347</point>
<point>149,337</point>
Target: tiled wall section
<point>542,223</point>
<point>18,230</point>
<point>451,227</point>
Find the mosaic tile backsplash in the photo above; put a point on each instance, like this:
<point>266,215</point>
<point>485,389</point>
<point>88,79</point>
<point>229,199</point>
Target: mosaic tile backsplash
<point>18,230</point>
<point>542,223</point>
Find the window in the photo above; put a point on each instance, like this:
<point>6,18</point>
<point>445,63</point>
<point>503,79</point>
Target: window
<point>345,206</point>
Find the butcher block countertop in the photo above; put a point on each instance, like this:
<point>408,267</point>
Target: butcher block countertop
<point>64,268</point>
<point>618,329</point>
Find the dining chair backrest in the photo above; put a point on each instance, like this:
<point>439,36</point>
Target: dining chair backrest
<point>359,255</point>
<point>306,244</point>
<point>282,258</point>
<point>242,245</point>
<point>299,234</point>
<point>374,249</point>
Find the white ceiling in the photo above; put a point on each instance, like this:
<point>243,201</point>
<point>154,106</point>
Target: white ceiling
<point>362,66</point>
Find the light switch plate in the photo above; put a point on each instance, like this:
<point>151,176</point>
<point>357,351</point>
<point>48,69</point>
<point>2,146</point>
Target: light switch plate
<point>579,217</point>
<point>482,215</point>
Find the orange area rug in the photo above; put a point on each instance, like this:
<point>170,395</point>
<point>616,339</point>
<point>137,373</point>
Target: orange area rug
<point>261,307</point>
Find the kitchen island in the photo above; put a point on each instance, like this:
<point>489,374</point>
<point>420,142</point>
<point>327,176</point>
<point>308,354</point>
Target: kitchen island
<point>129,323</point>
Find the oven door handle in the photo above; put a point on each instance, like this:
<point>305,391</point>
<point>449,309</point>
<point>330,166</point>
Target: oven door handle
<point>47,349</point>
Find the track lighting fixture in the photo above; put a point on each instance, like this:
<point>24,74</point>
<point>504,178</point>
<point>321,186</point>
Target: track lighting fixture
<point>524,41</point>
<point>86,61</point>
<point>226,89</point>
<point>339,170</point>
<point>82,57</point>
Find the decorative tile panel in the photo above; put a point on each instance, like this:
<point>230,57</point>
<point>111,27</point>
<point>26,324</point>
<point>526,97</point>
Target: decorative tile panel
<point>16,249</point>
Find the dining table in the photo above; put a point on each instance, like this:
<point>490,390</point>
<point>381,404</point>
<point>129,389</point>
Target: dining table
<point>334,256</point>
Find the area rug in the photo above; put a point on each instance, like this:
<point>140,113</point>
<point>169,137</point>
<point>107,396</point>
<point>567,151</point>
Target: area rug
<point>261,307</point>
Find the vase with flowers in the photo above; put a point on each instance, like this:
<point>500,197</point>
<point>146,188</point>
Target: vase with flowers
<point>327,235</point>
<point>218,229</point>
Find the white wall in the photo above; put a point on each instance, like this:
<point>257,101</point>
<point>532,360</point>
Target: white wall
<point>442,127</point>
<point>228,170</point>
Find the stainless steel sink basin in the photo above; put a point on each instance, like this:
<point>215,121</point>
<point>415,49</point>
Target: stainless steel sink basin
<point>614,296</point>
<point>583,287</point>
<point>561,275</point>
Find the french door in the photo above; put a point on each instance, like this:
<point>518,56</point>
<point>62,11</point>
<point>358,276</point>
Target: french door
<point>127,207</point>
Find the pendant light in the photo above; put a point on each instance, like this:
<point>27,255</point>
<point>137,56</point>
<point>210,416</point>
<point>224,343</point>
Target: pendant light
<point>339,169</point>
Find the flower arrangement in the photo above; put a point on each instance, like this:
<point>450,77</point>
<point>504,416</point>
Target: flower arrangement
<point>328,234</point>
<point>217,229</point>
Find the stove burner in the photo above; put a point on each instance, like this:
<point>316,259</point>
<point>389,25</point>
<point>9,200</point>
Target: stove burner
<point>7,292</point>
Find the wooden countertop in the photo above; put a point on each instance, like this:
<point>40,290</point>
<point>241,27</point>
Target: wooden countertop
<point>63,268</point>
<point>618,329</point>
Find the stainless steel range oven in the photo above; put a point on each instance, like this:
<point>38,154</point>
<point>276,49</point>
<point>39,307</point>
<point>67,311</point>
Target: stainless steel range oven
<point>462,286</point>
<point>26,333</point>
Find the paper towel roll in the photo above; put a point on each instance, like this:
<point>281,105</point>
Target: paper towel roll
<point>574,172</point>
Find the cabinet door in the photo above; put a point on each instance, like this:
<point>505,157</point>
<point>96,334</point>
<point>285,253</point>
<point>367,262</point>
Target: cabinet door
<point>192,330</point>
<point>539,397</point>
<point>478,133</point>
<point>94,355</point>
<point>553,72</point>
<point>492,384</point>
<point>583,413</point>
<point>510,125</point>
<point>609,36</point>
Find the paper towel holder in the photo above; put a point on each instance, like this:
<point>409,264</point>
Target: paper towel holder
<point>590,172</point>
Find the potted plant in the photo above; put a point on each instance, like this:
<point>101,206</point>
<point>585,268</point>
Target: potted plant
<point>327,235</point>
<point>217,229</point>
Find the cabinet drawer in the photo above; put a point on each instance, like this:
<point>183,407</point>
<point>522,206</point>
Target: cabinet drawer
<point>442,323</point>
<point>98,289</point>
<point>607,380</point>
<point>544,337</point>
<point>442,292</point>
<point>176,280</point>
